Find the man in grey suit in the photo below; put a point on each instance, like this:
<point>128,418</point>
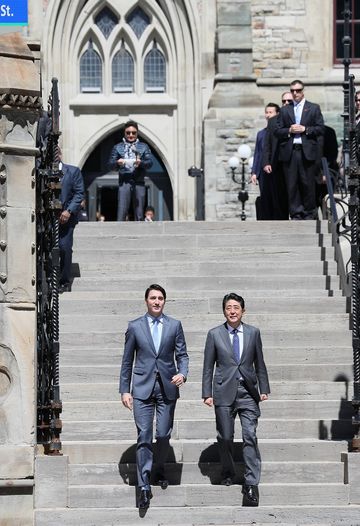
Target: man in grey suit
<point>240,382</point>
<point>155,361</point>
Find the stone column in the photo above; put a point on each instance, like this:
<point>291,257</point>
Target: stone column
<point>19,111</point>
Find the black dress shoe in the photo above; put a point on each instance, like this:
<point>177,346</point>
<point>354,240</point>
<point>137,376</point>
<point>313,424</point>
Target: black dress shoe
<point>64,287</point>
<point>227,481</point>
<point>161,481</point>
<point>144,498</point>
<point>251,495</point>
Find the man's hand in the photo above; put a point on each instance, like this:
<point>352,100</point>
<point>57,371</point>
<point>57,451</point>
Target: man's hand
<point>121,162</point>
<point>64,217</point>
<point>263,397</point>
<point>178,380</point>
<point>127,400</point>
<point>253,179</point>
<point>209,401</point>
<point>267,168</point>
<point>297,128</point>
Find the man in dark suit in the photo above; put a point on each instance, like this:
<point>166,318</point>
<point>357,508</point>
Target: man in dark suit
<point>72,194</point>
<point>273,167</point>
<point>299,127</point>
<point>265,180</point>
<point>155,361</point>
<point>240,382</point>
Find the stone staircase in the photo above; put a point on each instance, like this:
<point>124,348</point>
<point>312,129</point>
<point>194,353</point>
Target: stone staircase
<point>285,272</point>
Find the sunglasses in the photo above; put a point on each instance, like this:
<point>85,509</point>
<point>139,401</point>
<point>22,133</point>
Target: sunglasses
<point>130,133</point>
<point>296,90</point>
<point>357,100</point>
<point>284,101</point>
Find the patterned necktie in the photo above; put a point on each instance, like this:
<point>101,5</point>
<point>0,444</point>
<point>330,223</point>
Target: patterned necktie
<point>156,334</point>
<point>236,345</point>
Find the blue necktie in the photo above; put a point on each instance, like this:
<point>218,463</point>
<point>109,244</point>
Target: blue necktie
<point>156,334</point>
<point>236,345</point>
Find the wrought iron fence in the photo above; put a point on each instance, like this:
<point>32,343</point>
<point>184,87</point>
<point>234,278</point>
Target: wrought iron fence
<point>48,208</point>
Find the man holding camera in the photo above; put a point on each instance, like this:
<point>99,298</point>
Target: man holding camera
<point>132,158</point>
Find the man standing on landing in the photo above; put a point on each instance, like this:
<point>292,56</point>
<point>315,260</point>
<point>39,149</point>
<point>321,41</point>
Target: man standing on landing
<point>132,158</point>
<point>235,350</point>
<point>299,126</point>
<point>155,361</point>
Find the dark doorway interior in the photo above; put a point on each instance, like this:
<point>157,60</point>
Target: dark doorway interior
<point>102,186</point>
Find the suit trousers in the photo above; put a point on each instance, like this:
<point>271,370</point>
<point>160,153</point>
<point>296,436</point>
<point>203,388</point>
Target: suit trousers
<point>66,236</point>
<point>144,411</point>
<point>249,412</point>
<point>300,176</point>
<point>129,194</point>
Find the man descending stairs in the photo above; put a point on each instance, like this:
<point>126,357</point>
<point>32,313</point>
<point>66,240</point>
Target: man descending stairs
<point>292,294</point>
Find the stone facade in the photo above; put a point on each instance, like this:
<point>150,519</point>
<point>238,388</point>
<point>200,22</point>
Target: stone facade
<point>225,60</point>
<point>19,107</point>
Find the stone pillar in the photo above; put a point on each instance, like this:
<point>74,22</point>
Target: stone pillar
<point>19,111</point>
<point>233,111</point>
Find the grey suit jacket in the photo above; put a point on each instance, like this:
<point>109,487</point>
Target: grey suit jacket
<point>222,385</point>
<point>140,363</point>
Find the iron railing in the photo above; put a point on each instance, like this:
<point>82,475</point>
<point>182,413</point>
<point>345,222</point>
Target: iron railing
<point>48,208</point>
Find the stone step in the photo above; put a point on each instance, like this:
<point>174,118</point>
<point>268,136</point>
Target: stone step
<point>271,409</point>
<point>205,268</point>
<point>205,450</point>
<point>198,227</point>
<point>282,338</point>
<point>191,322</point>
<point>250,255</point>
<point>276,356</point>
<point>104,303</point>
<point>137,285</point>
<point>208,473</point>
<point>95,496</point>
<point>289,372</point>
<point>78,303</point>
<point>336,429</point>
<point>303,390</point>
<point>287,515</point>
<point>198,242</point>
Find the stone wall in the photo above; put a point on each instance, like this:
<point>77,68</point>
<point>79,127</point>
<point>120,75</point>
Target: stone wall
<point>19,107</point>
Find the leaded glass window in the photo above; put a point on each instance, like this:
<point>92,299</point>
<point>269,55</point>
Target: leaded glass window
<point>123,71</point>
<point>90,71</point>
<point>155,71</point>
<point>138,20</point>
<point>106,20</point>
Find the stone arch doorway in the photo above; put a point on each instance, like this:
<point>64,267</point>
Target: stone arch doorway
<point>101,185</point>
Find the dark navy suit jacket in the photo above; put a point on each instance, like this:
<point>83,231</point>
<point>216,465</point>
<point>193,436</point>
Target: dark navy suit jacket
<point>257,167</point>
<point>72,190</point>
<point>313,121</point>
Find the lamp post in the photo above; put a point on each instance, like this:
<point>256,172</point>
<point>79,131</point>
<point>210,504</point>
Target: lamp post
<point>244,153</point>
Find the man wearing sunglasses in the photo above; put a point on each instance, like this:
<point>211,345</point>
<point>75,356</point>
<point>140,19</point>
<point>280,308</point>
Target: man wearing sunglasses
<point>132,158</point>
<point>300,125</point>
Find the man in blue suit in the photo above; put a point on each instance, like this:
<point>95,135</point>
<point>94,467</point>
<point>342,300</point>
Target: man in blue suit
<point>155,362</point>
<point>72,193</point>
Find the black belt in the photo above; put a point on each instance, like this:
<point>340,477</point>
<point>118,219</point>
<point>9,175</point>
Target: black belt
<point>297,146</point>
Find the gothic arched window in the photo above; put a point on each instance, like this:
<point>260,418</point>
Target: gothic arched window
<point>106,20</point>
<point>123,71</point>
<point>138,20</point>
<point>155,71</point>
<point>90,71</point>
